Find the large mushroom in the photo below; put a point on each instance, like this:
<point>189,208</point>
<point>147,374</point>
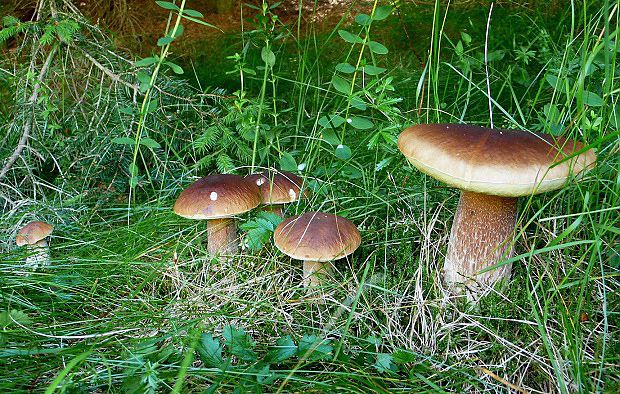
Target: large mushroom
<point>317,238</point>
<point>217,199</point>
<point>277,188</point>
<point>491,167</point>
<point>34,236</point>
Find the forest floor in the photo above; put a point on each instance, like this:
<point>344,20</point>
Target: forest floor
<point>131,301</point>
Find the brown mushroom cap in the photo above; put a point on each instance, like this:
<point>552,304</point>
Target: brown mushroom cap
<point>33,232</point>
<point>508,163</point>
<point>317,236</point>
<point>216,197</point>
<point>278,187</point>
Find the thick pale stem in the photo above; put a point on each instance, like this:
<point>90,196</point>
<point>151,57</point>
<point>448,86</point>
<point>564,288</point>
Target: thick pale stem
<point>481,236</point>
<point>222,238</point>
<point>38,255</point>
<point>276,208</point>
<point>314,272</point>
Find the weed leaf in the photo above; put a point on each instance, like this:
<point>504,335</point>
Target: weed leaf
<point>239,343</point>
<point>343,152</point>
<point>193,13</point>
<point>363,19</point>
<point>341,84</point>
<point>382,12</point>
<point>360,123</point>
<point>210,351</point>
<point>166,5</point>
<point>377,48</point>
<point>285,348</point>
<point>149,143</point>
<point>345,68</point>
<point>287,162</point>
<point>313,348</point>
<point>592,99</point>
<point>350,38</point>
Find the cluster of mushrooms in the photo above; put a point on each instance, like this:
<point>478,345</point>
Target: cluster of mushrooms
<point>317,238</point>
<point>491,167</point>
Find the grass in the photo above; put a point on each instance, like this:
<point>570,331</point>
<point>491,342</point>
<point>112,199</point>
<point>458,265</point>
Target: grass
<point>131,303</point>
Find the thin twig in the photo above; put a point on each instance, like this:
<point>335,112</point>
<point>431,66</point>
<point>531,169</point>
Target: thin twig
<point>107,71</point>
<point>504,381</point>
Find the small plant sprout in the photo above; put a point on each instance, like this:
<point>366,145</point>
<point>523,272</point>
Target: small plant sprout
<point>278,188</point>
<point>492,168</point>
<point>33,235</point>
<point>317,238</point>
<point>217,199</point>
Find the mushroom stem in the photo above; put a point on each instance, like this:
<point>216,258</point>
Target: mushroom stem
<point>481,235</point>
<point>38,255</point>
<point>222,237</point>
<point>314,271</point>
<point>274,208</point>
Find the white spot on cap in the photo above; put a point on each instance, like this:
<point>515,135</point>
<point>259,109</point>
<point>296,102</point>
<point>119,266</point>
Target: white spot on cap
<point>340,146</point>
<point>260,181</point>
<point>213,196</point>
<point>292,194</point>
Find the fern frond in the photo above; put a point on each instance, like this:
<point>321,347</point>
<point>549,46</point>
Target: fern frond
<point>7,33</point>
<point>224,163</point>
<point>228,137</point>
<point>242,150</point>
<point>247,133</point>
<point>66,29</point>
<point>208,139</point>
<point>9,20</point>
<point>204,162</point>
<point>48,35</point>
<point>231,117</point>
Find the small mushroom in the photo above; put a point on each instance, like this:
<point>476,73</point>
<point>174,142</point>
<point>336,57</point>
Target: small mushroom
<point>317,238</point>
<point>217,199</point>
<point>491,167</point>
<point>278,188</point>
<point>33,235</point>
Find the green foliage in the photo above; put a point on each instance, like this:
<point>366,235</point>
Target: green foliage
<point>12,27</point>
<point>235,361</point>
<point>149,103</point>
<point>260,229</point>
<point>62,30</point>
<point>229,137</point>
<point>239,344</point>
<point>66,134</point>
<point>12,318</point>
<point>210,351</point>
<point>146,364</point>
<point>313,348</point>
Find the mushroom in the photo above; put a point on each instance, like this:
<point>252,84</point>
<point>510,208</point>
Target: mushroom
<point>34,235</point>
<point>277,188</point>
<point>317,238</point>
<point>491,167</point>
<point>218,198</point>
